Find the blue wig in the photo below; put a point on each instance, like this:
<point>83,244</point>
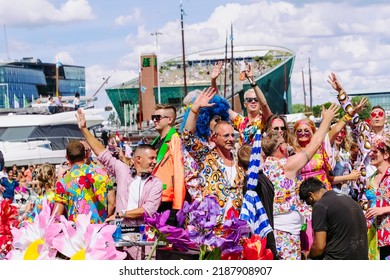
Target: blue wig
<point>221,108</point>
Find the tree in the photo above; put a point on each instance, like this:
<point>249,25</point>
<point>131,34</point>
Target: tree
<point>365,114</point>
<point>298,108</point>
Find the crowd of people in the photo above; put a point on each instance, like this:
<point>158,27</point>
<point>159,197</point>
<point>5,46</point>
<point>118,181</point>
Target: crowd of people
<point>325,191</point>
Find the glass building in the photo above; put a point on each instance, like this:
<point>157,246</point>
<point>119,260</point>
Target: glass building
<point>22,82</point>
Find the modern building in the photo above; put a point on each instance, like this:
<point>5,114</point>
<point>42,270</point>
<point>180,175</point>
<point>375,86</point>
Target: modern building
<point>380,97</point>
<point>23,81</point>
<point>272,67</point>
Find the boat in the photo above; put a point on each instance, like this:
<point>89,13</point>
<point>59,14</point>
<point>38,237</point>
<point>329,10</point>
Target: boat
<point>272,67</point>
<point>34,137</point>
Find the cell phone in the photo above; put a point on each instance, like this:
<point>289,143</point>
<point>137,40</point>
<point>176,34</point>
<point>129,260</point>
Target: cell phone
<point>242,70</point>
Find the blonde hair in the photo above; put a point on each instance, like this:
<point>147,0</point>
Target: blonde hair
<point>46,177</point>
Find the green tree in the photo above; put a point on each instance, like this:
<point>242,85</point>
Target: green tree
<point>298,108</point>
<point>365,114</point>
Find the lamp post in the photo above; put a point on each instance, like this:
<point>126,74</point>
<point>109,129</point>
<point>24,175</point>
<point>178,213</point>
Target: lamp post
<point>158,70</point>
<point>6,88</point>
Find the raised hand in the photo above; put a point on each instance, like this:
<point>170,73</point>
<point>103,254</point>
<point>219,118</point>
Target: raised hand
<point>217,70</point>
<point>332,80</point>
<point>249,73</point>
<point>360,107</point>
<point>328,114</point>
<point>81,118</point>
<point>204,98</point>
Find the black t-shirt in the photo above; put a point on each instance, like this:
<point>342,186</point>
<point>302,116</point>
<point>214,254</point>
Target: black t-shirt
<point>346,230</point>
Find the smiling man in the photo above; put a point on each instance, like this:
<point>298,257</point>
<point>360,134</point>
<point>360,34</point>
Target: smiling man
<point>220,174</point>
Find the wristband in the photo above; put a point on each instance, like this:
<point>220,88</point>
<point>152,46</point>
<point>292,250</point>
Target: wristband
<point>193,111</point>
<point>253,84</point>
<point>123,213</point>
<point>347,118</point>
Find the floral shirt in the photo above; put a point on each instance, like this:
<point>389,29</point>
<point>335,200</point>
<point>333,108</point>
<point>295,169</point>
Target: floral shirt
<point>286,197</point>
<point>84,189</point>
<point>212,175</point>
<point>49,196</point>
<point>317,167</point>
<point>381,199</point>
<point>247,130</point>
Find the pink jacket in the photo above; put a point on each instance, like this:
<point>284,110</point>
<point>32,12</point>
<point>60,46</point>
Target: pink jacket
<point>151,194</point>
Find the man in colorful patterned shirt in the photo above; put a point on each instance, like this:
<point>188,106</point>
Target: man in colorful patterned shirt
<point>84,188</point>
<point>219,173</point>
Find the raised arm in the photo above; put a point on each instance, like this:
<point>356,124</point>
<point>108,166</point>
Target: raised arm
<point>260,95</point>
<point>299,160</point>
<point>96,146</point>
<point>217,69</point>
<point>201,101</point>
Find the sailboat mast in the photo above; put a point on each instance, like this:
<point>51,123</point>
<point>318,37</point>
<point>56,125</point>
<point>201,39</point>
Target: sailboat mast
<point>232,63</point>
<point>225,63</point>
<point>310,88</point>
<point>183,48</point>
<point>140,105</point>
<point>57,74</point>
<point>6,42</point>
<point>304,90</point>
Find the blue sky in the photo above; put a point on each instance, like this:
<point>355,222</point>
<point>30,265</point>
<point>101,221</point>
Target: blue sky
<point>350,38</point>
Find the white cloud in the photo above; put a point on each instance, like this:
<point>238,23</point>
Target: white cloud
<point>64,57</point>
<point>133,18</point>
<point>43,12</point>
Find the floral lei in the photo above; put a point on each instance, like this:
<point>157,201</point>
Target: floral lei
<point>380,142</point>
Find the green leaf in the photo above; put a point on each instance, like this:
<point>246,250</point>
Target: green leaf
<point>214,254</point>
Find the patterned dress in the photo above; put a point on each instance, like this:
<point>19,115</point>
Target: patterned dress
<point>288,208</point>
<point>213,177</point>
<point>84,189</point>
<point>247,130</point>
<point>379,227</point>
<point>49,196</point>
<point>317,167</point>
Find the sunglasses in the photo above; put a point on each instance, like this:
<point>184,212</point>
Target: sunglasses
<point>279,128</point>
<point>158,117</point>
<point>217,119</point>
<point>377,114</point>
<point>250,99</point>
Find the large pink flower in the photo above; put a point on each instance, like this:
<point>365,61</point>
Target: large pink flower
<point>34,240</point>
<point>87,241</point>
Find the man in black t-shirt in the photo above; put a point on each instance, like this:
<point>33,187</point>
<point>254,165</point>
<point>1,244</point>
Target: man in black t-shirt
<point>339,225</point>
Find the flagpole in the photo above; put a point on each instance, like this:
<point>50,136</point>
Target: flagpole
<point>232,63</point>
<point>140,116</point>
<point>57,66</point>
<point>225,63</point>
<point>183,48</point>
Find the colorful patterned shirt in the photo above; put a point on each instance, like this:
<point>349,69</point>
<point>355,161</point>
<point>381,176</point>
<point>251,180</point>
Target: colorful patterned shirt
<point>318,167</point>
<point>84,189</point>
<point>49,196</point>
<point>381,199</point>
<point>213,178</point>
<point>247,130</point>
<point>286,197</point>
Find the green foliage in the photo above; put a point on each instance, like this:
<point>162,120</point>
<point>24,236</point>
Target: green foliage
<point>299,108</point>
<point>365,114</point>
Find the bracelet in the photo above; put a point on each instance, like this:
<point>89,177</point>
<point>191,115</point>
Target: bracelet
<point>193,111</point>
<point>347,118</point>
<point>253,84</point>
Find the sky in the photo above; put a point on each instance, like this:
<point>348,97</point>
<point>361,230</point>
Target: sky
<point>350,38</point>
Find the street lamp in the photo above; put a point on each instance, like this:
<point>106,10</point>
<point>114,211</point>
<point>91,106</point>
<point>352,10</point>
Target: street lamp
<point>6,87</point>
<point>158,70</point>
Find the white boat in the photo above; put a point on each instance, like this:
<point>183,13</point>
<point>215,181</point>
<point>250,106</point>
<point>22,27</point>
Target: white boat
<point>39,138</point>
